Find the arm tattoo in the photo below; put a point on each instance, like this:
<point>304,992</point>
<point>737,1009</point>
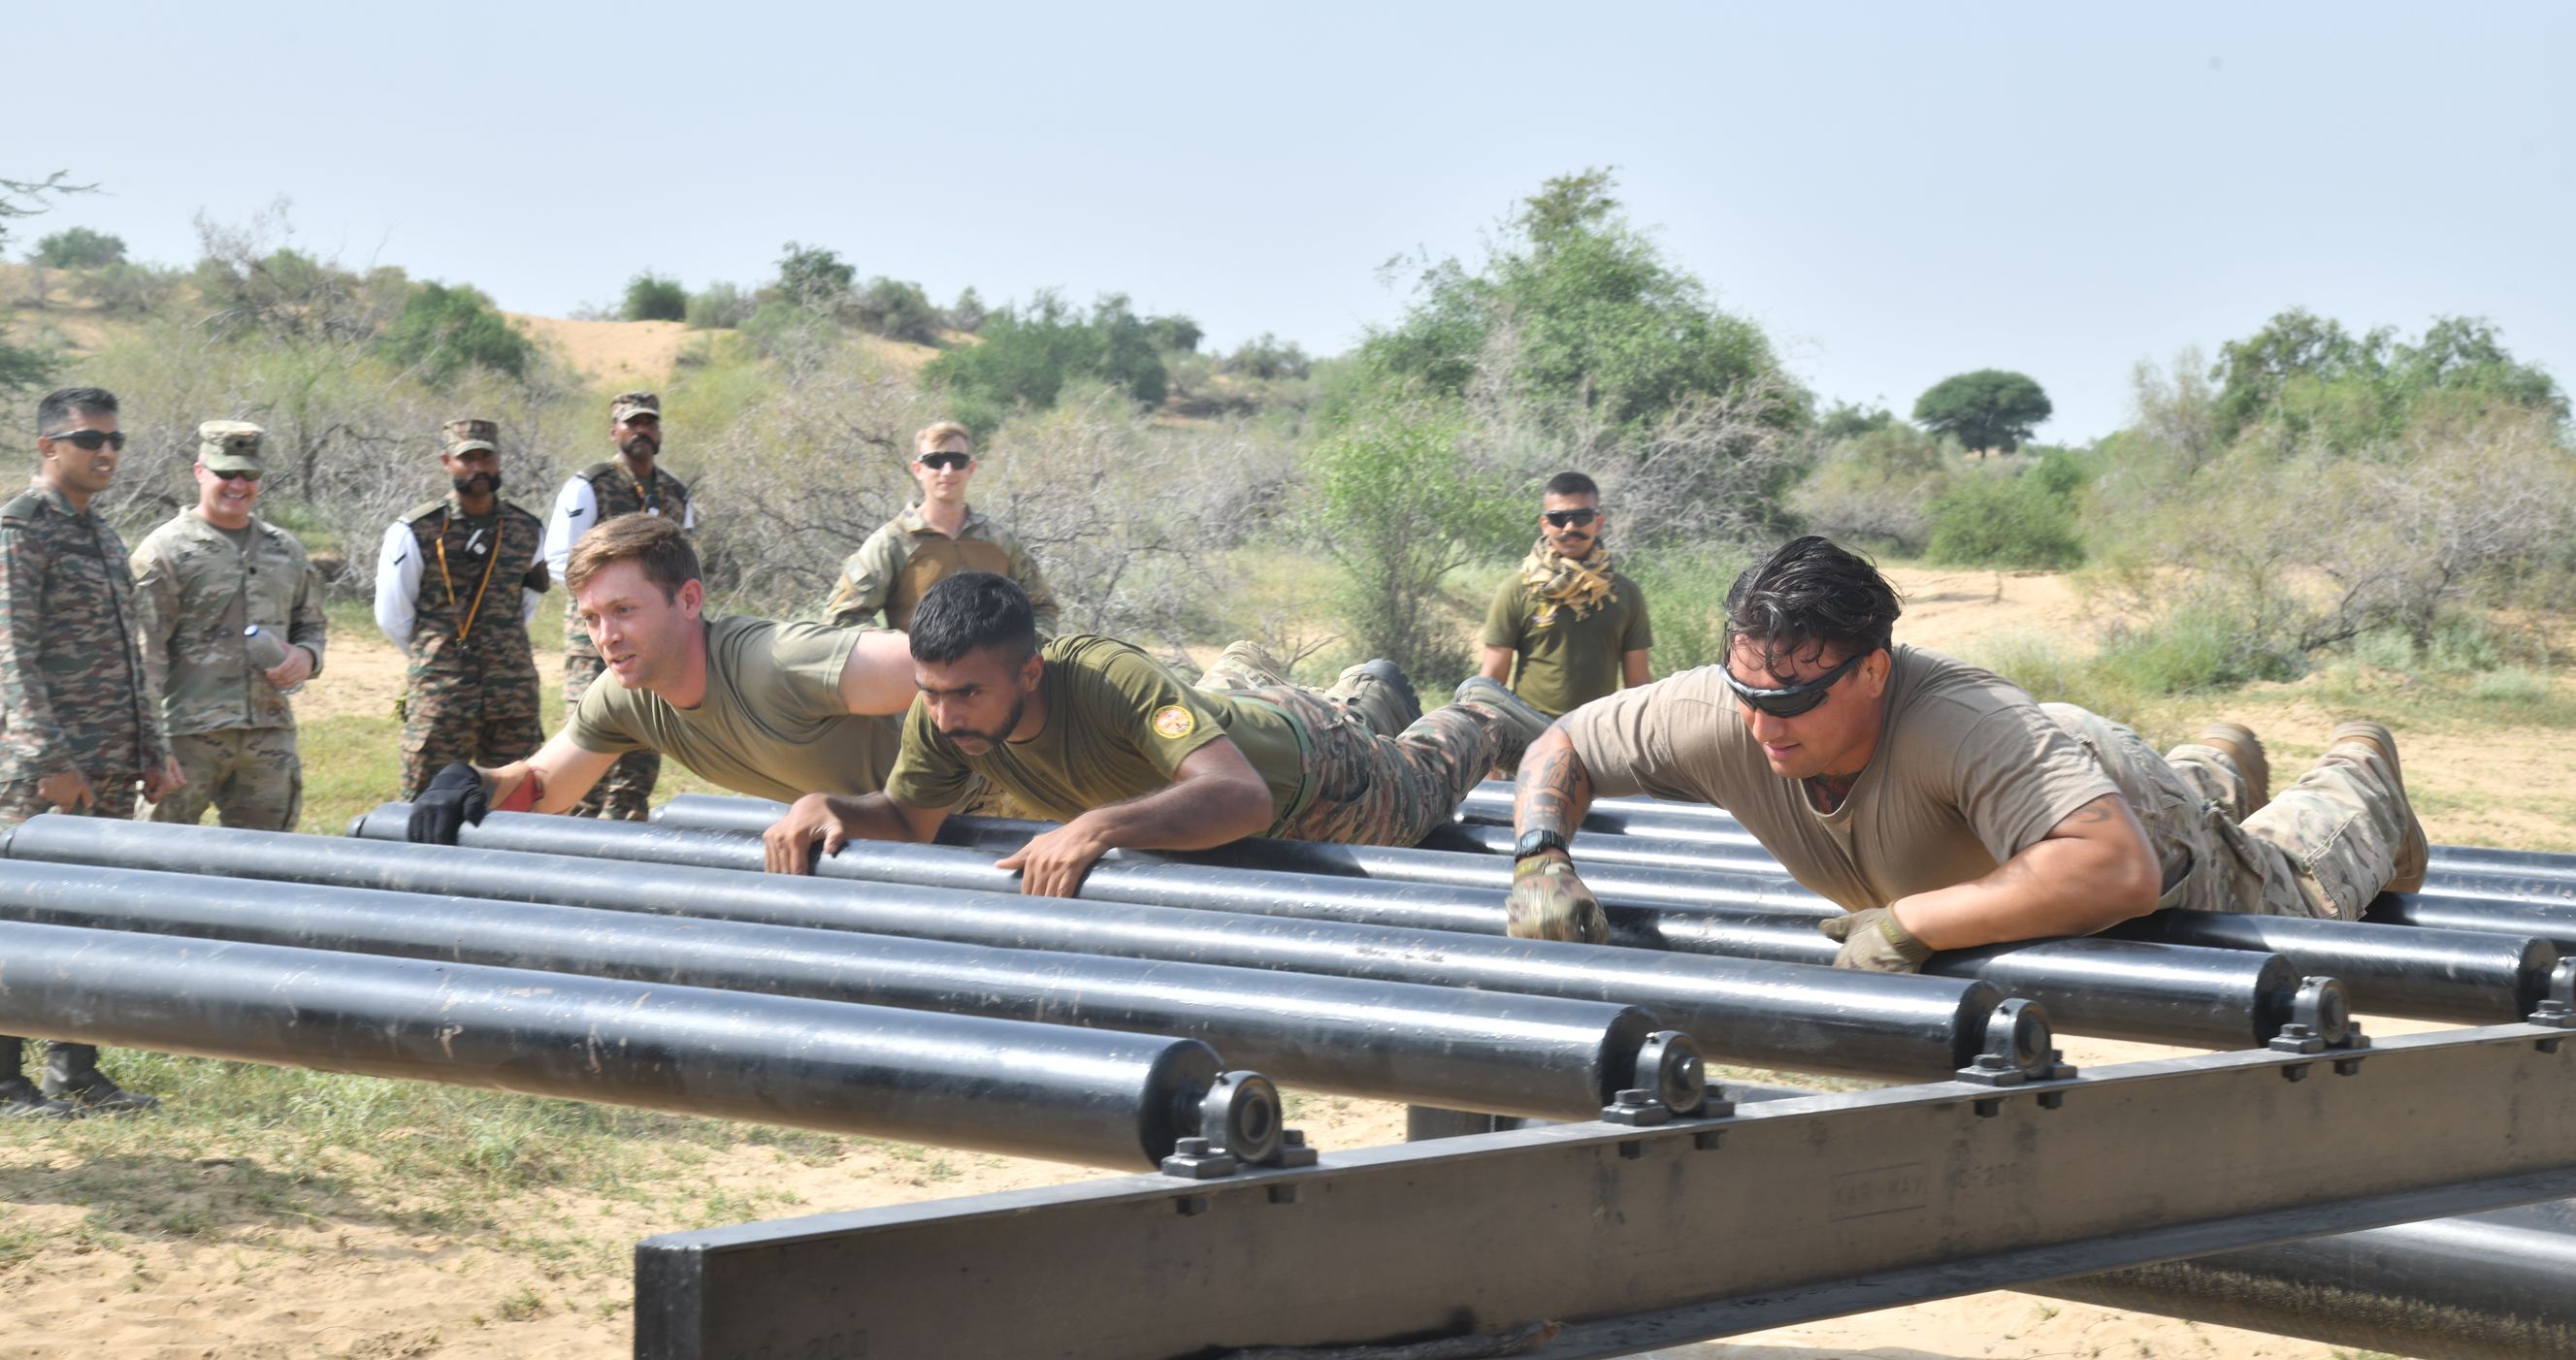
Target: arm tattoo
<point>1553,792</point>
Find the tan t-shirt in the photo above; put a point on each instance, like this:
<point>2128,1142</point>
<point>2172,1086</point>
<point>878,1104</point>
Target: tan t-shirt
<point>1119,723</point>
<point>1560,662</point>
<point>773,723</point>
<point>1968,773</point>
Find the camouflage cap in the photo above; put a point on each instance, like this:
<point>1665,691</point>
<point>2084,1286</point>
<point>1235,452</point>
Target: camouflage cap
<point>465,436</point>
<point>229,445</point>
<point>626,405</point>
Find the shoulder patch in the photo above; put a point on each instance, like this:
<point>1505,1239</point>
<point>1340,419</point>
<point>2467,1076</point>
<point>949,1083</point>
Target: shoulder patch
<point>24,506</point>
<point>422,511</point>
<point>1173,722</point>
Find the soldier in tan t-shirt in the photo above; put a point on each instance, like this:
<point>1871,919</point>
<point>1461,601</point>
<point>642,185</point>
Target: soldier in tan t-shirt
<point>769,709</point>
<point>1938,804</point>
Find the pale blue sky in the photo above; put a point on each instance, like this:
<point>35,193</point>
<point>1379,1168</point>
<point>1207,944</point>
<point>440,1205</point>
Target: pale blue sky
<point>1896,192</point>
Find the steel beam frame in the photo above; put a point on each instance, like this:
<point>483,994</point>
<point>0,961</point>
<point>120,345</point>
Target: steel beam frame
<point>1653,1235</point>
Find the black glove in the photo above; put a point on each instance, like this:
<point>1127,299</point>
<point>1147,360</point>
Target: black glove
<point>452,799</point>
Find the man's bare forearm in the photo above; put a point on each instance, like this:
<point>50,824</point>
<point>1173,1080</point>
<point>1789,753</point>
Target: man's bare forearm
<point>2093,871</point>
<point>1554,790</point>
<point>1193,814</point>
<point>870,817</point>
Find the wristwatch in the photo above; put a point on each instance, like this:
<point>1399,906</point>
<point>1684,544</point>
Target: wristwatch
<point>1539,843</point>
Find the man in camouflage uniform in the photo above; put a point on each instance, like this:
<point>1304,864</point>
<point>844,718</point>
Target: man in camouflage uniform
<point>933,537</point>
<point>457,582</point>
<point>81,721</point>
<point>1093,733</point>
<point>204,578</point>
<point>630,484</point>
<point>1937,804</point>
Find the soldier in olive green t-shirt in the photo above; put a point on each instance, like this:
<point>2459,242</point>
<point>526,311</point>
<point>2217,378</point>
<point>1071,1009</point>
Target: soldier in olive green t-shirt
<point>1127,754</point>
<point>1565,627</point>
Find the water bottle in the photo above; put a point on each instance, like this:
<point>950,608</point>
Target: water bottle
<point>266,652</point>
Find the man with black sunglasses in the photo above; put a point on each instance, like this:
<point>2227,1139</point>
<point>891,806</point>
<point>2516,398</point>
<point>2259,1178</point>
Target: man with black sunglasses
<point>1940,806</point>
<point>1566,628</point>
<point>934,537</point>
<point>205,579</point>
<point>633,483</point>
<point>79,723</point>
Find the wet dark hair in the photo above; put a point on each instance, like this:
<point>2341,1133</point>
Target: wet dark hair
<point>1808,598</point>
<point>971,611</point>
<point>64,405</point>
<point>1571,484</point>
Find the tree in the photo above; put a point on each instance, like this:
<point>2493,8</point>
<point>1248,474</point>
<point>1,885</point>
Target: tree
<point>1987,409</point>
<point>78,248</point>
<point>1029,353</point>
<point>810,276</point>
<point>1175,334</point>
<point>897,310</point>
<point>23,369</point>
<point>967,313</point>
<point>651,297</point>
<point>442,330</point>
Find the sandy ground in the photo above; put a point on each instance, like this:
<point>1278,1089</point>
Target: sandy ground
<point>619,354</point>
<point>336,1278</point>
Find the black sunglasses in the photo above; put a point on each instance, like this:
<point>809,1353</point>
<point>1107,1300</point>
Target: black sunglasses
<point>92,440</point>
<point>237,475</point>
<point>1795,699</point>
<point>941,462</point>
<point>1564,519</point>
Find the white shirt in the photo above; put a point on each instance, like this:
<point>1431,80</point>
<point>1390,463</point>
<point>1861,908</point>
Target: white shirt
<point>576,509</point>
<point>398,569</point>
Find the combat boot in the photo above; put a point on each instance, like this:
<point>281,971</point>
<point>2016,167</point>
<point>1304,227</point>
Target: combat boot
<point>2246,751</point>
<point>1520,724</point>
<point>19,1099</point>
<point>72,1076</point>
<point>1377,693</point>
<point>2413,851</point>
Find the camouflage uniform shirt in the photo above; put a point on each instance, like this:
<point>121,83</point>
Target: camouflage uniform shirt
<point>439,608</point>
<point>73,691</point>
<point>906,557</point>
<point>198,588</point>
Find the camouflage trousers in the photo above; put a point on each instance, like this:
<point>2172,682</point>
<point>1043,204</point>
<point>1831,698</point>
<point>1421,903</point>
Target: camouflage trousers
<point>1246,666</point>
<point>251,775</point>
<point>1367,789</point>
<point>625,793</point>
<point>113,797</point>
<point>2323,847</point>
<point>454,715</point>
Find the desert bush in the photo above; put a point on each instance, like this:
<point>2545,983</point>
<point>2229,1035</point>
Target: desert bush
<point>1989,519</point>
<point>716,307</point>
<point>1268,358</point>
<point>895,309</point>
<point>651,297</point>
<point>1029,353</point>
<point>77,248</point>
<point>128,290</point>
<point>442,330</point>
<point>968,312</point>
<point>1685,593</point>
<point>1875,486</point>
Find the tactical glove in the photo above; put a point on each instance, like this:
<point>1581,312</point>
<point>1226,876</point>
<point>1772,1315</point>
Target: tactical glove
<point>1549,903</point>
<point>1875,941</point>
<point>452,799</point>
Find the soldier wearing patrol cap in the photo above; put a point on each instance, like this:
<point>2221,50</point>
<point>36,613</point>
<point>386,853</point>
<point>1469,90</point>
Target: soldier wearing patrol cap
<point>457,582</point>
<point>630,484</point>
<point>218,593</point>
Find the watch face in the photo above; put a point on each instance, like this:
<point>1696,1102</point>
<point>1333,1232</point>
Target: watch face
<point>1536,842</point>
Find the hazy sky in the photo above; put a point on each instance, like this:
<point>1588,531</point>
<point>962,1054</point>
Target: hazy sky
<point>1896,192</point>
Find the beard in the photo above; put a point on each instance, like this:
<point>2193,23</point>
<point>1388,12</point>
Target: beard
<point>640,446</point>
<point>1010,724</point>
<point>479,482</point>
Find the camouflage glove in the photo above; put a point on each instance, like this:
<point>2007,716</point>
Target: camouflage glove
<point>1875,942</point>
<point>1549,903</point>
<point>454,797</point>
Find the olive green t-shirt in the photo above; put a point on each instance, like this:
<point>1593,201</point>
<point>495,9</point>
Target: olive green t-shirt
<point>1564,662</point>
<point>1118,725</point>
<point>773,723</point>
<point>1968,773</point>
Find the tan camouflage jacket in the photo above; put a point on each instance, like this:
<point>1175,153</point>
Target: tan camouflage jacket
<point>196,592</point>
<point>73,692</point>
<point>906,557</point>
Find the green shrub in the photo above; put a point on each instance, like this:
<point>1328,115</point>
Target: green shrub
<point>78,248</point>
<point>1029,353</point>
<point>896,310</point>
<point>717,307</point>
<point>1686,600</point>
<point>444,330</point>
<point>123,289</point>
<point>2003,521</point>
<point>2197,648</point>
<point>651,297</point>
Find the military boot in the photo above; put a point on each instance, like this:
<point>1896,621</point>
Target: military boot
<point>72,1076</point>
<point>2246,751</point>
<point>19,1099</point>
<point>1520,724</point>
<point>1377,693</point>
<point>2413,851</point>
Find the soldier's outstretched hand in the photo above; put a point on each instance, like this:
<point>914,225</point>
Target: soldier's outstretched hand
<point>1052,865</point>
<point>790,843</point>
<point>1549,902</point>
<point>1875,941</point>
<point>455,796</point>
